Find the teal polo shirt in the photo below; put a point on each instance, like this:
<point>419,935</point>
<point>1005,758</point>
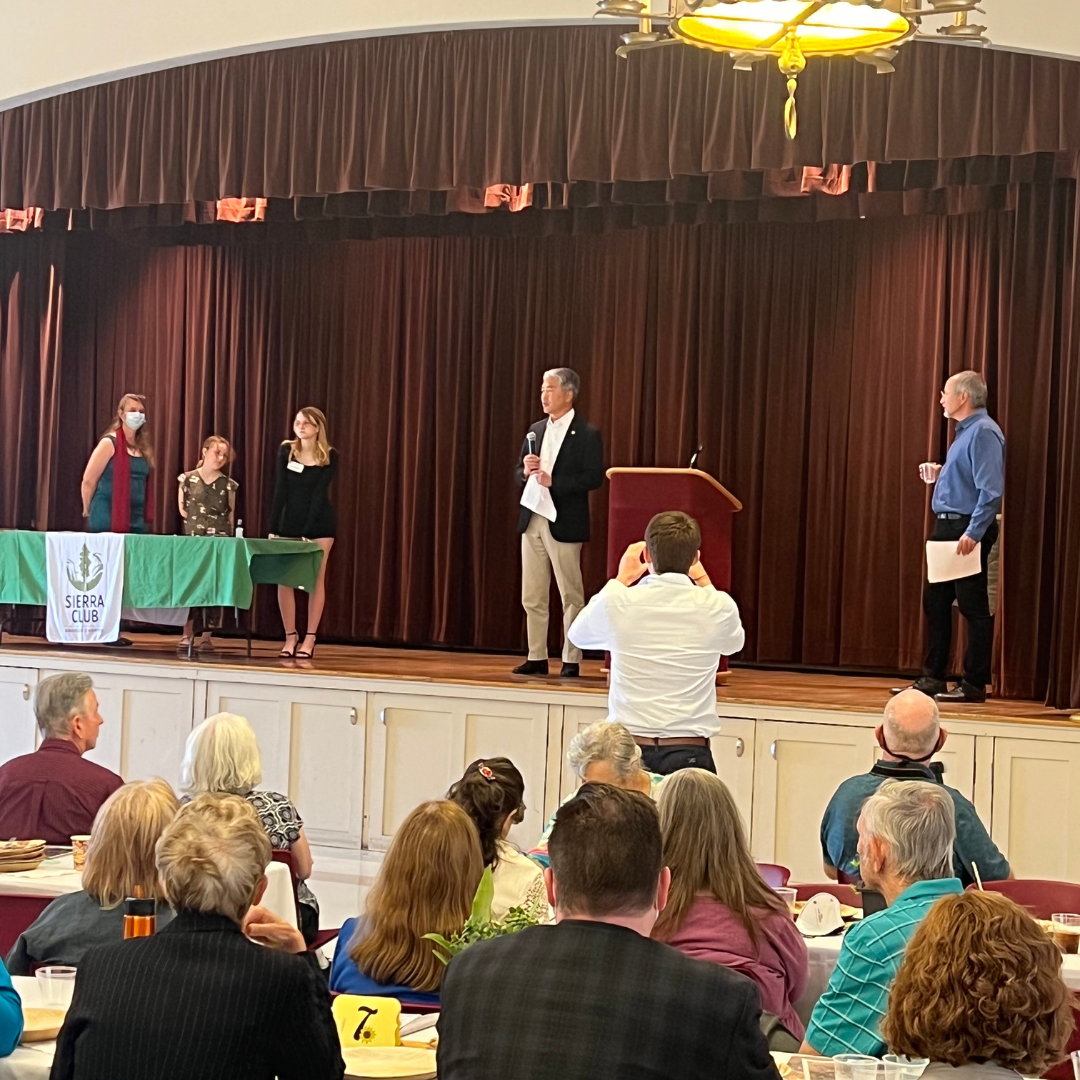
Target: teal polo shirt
<point>847,1017</point>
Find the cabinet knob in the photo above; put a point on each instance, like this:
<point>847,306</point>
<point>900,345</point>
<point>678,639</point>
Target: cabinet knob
<point>740,746</point>
<point>772,750</point>
<point>382,717</point>
<point>26,692</point>
<point>354,717</point>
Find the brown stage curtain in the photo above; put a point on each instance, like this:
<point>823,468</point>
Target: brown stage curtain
<point>806,359</point>
<point>447,112</point>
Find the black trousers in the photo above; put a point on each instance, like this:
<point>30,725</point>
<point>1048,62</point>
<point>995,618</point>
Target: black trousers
<point>971,597</point>
<point>668,759</point>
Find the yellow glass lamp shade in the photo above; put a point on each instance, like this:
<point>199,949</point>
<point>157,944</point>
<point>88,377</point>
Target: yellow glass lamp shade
<point>766,27</point>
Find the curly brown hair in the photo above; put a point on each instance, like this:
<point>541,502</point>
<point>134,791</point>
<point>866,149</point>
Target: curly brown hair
<point>981,981</point>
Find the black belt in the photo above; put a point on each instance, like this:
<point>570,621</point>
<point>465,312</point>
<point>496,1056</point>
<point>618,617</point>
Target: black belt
<point>674,740</point>
<point>953,517</point>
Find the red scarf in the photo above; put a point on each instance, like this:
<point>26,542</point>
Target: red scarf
<point>121,488</point>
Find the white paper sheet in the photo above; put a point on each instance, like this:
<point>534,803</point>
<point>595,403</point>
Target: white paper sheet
<point>943,563</point>
<point>538,499</point>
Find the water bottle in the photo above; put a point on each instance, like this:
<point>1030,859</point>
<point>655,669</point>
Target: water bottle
<point>239,528</point>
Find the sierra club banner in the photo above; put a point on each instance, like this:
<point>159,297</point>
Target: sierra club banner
<point>85,581</point>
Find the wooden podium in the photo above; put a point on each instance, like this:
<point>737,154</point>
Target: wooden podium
<point>636,495</point>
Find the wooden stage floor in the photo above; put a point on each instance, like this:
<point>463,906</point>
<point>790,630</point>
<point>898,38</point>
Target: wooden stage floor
<point>745,686</point>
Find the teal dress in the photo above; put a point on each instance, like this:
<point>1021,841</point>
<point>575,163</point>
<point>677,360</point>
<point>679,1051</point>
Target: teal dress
<point>101,503</point>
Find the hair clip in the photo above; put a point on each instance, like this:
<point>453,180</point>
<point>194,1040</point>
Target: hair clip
<point>486,773</point>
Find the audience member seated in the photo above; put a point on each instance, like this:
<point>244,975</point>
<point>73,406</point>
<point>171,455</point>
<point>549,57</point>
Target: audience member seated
<point>603,753</point>
<point>592,996</point>
<point>198,999</point>
<point>54,793</point>
<point>909,736</point>
<point>980,993</point>
<point>222,757</point>
<point>492,793</point>
<point>906,835</point>
<point>666,636</point>
<point>11,1016</point>
<point>426,885</point>
<point>718,908</point>
<point>119,859</point>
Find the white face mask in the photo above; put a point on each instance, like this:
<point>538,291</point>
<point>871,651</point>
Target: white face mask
<point>134,420</point>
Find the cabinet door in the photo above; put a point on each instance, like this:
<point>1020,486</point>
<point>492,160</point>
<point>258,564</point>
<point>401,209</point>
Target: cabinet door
<point>797,767</point>
<point>18,729</point>
<point>1036,807</point>
<point>147,721</point>
<point>575,718</point>
<point>733,754</point>
<point>421,745</point>
<point>312,745</point>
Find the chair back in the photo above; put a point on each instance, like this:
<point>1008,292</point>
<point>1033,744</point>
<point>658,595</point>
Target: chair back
<point>844,893</point>
<point>775,876</point>
<point>1041,898</point>
<point>16,914</point>
<point>1064,1070</point>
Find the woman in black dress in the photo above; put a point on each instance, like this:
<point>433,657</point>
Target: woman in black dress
<point>305,466</point>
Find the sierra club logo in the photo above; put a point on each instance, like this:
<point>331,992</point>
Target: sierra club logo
<point>90,571</point>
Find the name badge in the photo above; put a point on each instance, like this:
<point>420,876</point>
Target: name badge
<point>296,466</point>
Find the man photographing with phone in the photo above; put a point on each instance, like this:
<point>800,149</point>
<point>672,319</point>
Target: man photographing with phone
<point>666,636</point>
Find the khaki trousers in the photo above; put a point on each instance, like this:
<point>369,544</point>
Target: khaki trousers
<point>540,552</point>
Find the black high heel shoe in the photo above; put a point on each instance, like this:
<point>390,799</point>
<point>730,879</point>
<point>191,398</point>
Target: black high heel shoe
<point>307,654</point>
<point>287,653</point>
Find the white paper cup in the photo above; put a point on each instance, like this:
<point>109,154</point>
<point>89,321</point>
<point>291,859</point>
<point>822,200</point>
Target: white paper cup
<point>57,984</point>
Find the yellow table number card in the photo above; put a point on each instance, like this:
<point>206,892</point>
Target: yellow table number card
<point>367,1021</point>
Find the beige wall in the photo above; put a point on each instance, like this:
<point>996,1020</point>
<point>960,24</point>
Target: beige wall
<point>61,44</point>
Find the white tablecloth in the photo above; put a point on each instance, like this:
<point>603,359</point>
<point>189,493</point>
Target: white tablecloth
<point>58,877</point>
<point>824,952</point>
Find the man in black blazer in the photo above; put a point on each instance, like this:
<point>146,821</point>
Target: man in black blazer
<point>592,997</point>
<point>562,460</point>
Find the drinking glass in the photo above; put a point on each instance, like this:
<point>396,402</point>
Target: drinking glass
<point>789,896</point>
<point>855,1067</point>
<point>57,984</point>
<point>898,1067</point>
<point>1066,931</point>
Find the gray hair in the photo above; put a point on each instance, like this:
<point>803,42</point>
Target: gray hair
<point>972,384</point>
<point>59,698</point>
<point>221,755</point>
<point>917,820</point>
<point>912,723</point>
<point>213,855</point>
<point>568,379</point>
<point>605,741</point>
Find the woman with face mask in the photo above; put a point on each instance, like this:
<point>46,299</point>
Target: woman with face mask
<point>116,492</point>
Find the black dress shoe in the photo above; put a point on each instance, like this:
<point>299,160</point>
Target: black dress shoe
<point>119,643</point>
<point>926,685</point>
<point>570,671</point>
<point>963,691</point>
<point>532,667</point>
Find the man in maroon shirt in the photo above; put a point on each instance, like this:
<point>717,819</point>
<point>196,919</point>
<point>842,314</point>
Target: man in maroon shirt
<point>54,793</point>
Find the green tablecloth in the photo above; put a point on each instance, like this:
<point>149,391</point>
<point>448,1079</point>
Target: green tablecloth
<point>172,571</point>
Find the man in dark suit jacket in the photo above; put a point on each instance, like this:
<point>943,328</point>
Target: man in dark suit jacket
<point>198,1000</point>
<point>562,460</point>
<point>592,997</point>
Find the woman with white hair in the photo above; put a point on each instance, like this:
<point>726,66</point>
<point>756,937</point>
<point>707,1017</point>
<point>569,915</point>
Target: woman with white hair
<point>603,753</point>
<point>198,998</point>
<point>222,757</point>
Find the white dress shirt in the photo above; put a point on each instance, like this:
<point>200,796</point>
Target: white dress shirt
<point>536,497</point>
<point>666,636</point>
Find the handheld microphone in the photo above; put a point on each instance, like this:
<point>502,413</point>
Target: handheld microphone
<point>531,440</point>
<point>693,459</point>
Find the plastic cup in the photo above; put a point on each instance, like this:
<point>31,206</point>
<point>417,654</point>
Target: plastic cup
<point>898,1067</point>
<point>1066,931</point>
<point>1074,1057</point>
<point>789,896</point>
<point>57,984</point>
<point>78,850</point>
<point>855,1067</point>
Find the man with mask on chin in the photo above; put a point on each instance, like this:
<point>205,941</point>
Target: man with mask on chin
<point>909,736</point>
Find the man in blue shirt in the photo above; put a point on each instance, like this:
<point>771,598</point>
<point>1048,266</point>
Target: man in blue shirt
<point>967,498</point>
<point>909,736</point>
<point>906,835</point>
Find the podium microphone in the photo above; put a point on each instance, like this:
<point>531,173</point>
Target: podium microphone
<point>693,459</point>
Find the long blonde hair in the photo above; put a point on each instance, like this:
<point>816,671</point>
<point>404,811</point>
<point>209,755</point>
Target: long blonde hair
<point>426,885</point>
<point>705,847</point>
<point>322,442</point>
<point>120,855</point>
<point>143,443</point>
